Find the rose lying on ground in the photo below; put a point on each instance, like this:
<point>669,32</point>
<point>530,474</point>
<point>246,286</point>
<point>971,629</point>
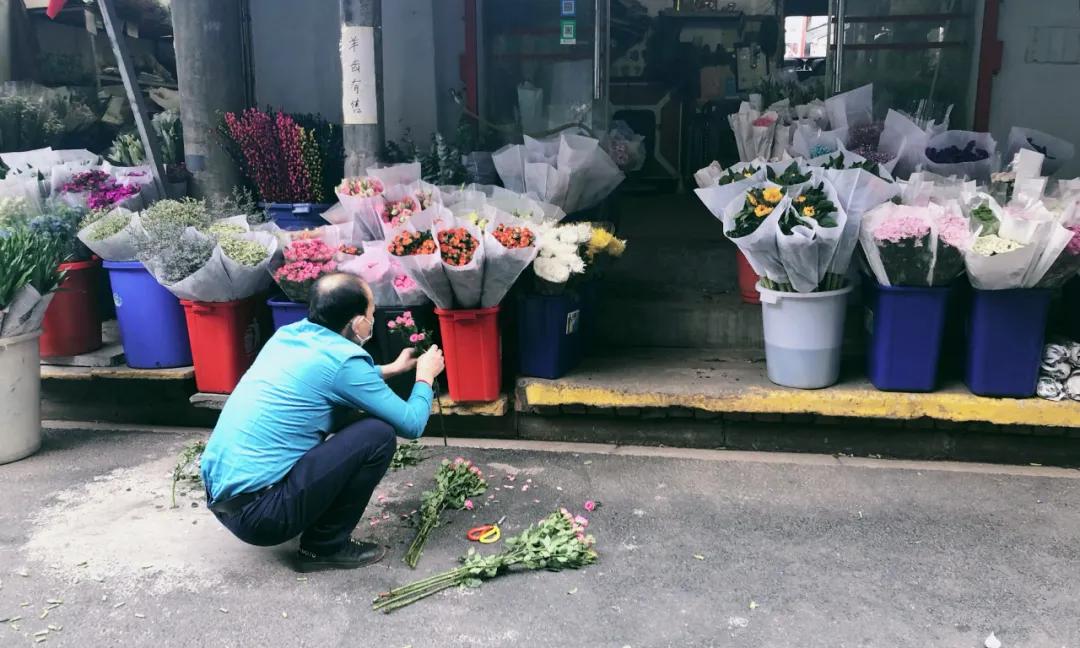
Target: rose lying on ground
<point>455,483</point>
<point>555,543</point>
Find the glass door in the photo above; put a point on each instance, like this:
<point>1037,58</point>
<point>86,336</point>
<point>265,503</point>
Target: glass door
<point>542,66</point>
<point>920,55</point>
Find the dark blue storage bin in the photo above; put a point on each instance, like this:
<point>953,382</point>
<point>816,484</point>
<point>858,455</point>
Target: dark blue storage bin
<point>1005,341</point>
<point>284,312</point>
<point>296,216</point>
<point>549,334</point>
<point>906,328</point>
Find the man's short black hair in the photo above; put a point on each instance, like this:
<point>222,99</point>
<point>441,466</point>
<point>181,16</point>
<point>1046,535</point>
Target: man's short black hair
<point>336,299</point>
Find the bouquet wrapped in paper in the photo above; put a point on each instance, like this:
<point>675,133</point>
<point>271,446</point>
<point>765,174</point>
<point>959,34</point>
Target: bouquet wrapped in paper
<point>917,246</point>
<point>860,184</point>
<point>94,189</point>
<point>965,154</point>
<point>375,266</point>
<point>570,171</point>
<point>362,198</point>
<point>200,260</point>
<point>415,247</point>
<point>906,138</point>
<point>1056,151</point>
<point>852,108</point>
<point>29,276</point>
<point>464,260</point>
<point>1030,241</point>
<point>810,230</point>
<point>114,236</point>
<point>755,132</point>
<point>814,144</point>
<point>304,261</point>
<point>750,212</point>
<point>716,175</point>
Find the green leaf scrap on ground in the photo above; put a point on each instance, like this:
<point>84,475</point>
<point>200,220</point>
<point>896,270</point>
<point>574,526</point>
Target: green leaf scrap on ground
<point>187,466</point>
<point>407,454</point>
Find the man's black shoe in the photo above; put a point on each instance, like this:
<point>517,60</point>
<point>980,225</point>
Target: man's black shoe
<point>354,554</point>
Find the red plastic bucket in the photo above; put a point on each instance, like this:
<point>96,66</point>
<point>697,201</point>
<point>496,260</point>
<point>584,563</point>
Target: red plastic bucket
<point>225,338</point>
<point>473,352</point>
<point>747,279</point>
<point>72,322</point>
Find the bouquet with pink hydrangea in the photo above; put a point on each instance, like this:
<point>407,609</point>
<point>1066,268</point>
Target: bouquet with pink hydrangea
<point>918,246</point>
<point>456,483</point>
<point>305,261</point>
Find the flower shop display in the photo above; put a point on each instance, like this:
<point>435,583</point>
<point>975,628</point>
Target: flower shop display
<point>800,242</point>
<point>219,272</point>
<point>1059,373</point>
<point>466,272</point>
<point>1013,289</point>
<point>914,253</point>
<point>456,483</point>
<point>570,171</point>
<point>289,162</point>
<point>557,542</point>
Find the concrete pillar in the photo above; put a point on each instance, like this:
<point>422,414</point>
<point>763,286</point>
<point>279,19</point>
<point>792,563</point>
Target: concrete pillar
<point>7,44</point>
<point>364,141</point>
<point>210,68</point>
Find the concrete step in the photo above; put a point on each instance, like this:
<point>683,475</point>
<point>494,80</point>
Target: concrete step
<point>704,320</point>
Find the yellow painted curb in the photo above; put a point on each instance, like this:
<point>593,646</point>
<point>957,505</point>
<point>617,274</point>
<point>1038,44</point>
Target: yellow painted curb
<point>837,401</point>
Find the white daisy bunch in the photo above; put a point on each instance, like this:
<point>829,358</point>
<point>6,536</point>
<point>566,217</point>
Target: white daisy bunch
<point>560,251</point>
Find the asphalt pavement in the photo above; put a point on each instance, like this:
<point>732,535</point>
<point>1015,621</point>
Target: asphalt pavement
<point>697,548</point>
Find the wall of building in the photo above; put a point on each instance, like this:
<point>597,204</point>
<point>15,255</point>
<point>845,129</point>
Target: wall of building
<point>297,65</point>
<point>1038,95</point>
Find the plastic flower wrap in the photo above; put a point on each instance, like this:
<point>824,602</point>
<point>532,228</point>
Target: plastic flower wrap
<point>715,175</point>
<point>510,246</point>
<point>115,236</point>
<point>226,266</point>
<point>462,257</point>
<point>305,261</point>
<point>96,189</point>
<point>750,218</point>
<point>788,174</point>
<point>1029,243</point>
<point>810,228</point>
<point>414,246</point>
<point>363,199</point>
<point>915,245</point>
<point>570,171</point>
<point>29,275</point>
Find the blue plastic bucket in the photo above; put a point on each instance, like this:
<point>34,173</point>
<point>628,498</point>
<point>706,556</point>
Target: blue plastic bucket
<point>153,327</point>
<point>296,216</point>
<point>906,326</point>
<point>1005,341</point>
<point>549,334</point>
<point>284,312</point>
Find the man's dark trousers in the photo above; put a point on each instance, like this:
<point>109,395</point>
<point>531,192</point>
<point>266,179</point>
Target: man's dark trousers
<point>323,497</point>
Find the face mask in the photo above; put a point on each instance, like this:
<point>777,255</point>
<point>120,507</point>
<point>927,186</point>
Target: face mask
<point>363,340</point>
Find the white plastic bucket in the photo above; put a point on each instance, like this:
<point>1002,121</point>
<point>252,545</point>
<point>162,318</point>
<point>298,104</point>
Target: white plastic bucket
<point>804,333</point>
<point>20,397</point>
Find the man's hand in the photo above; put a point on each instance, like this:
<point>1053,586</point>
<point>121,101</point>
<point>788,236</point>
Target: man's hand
<point>430,365</point>
<point>405,363</point>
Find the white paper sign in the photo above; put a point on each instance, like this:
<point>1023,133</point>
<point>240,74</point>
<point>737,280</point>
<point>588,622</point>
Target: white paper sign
<point>358,100</point>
